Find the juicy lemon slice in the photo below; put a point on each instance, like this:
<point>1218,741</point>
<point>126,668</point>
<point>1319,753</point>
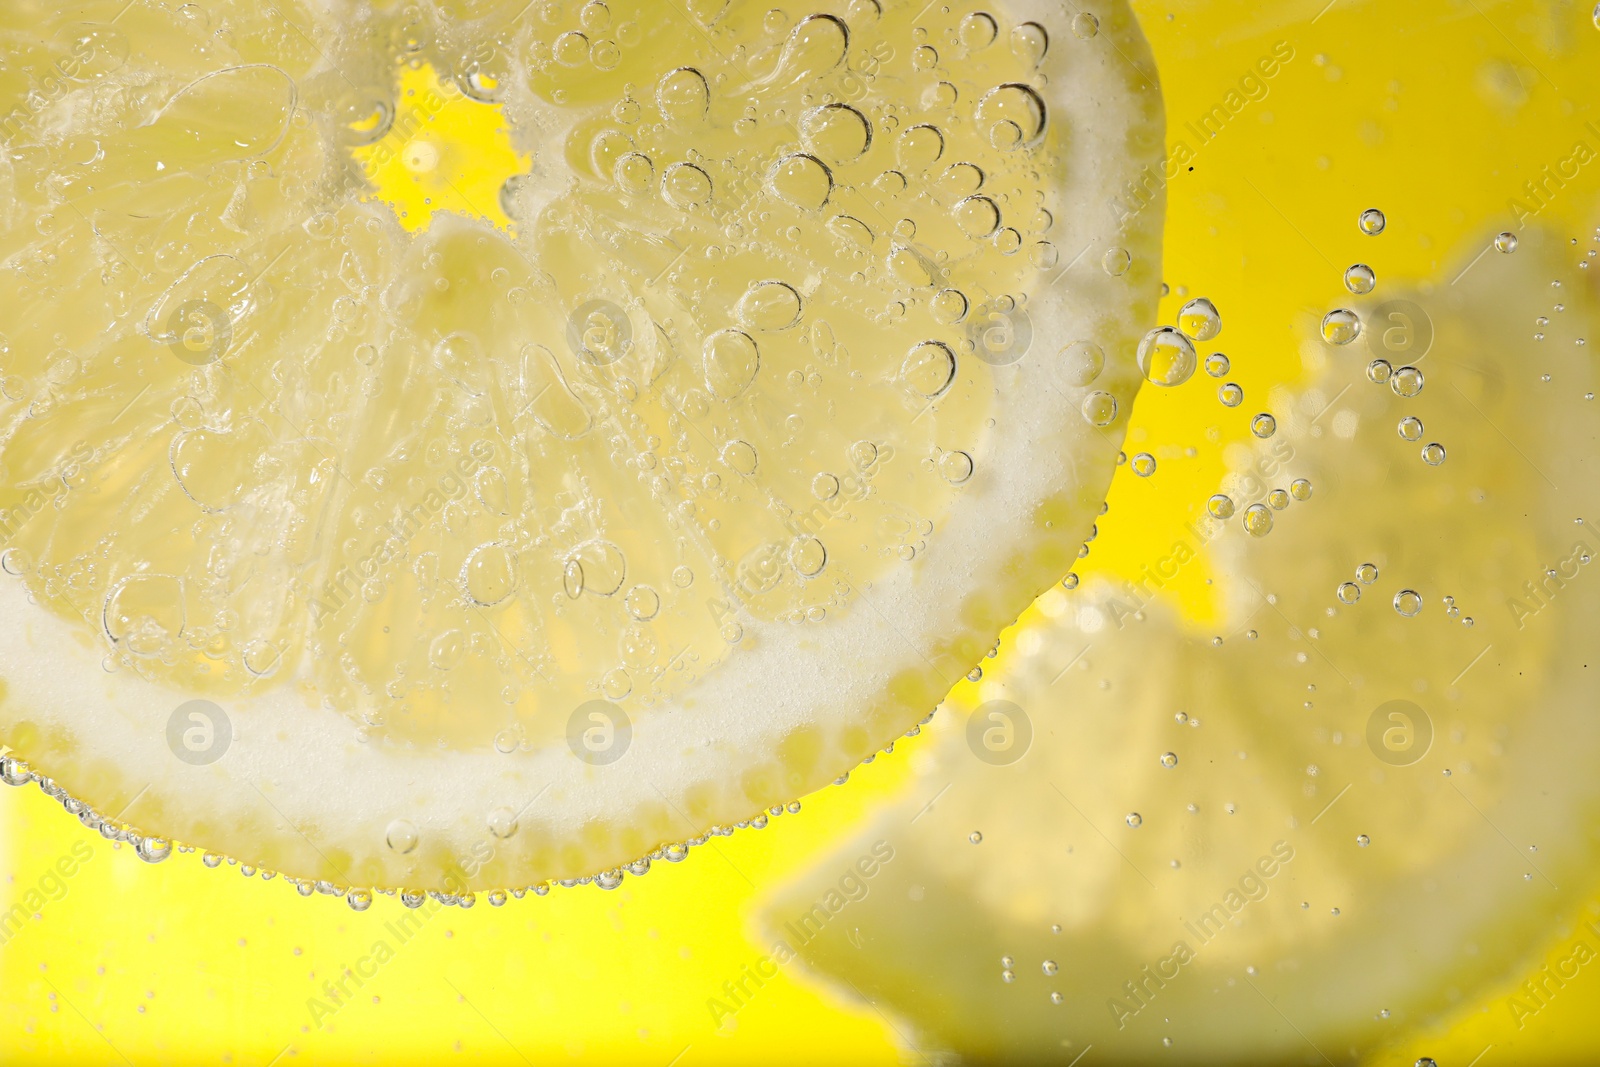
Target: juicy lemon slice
<point>1306,833</point>
<point>392,551</point>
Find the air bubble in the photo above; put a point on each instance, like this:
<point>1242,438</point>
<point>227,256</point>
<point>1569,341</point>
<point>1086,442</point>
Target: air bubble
<point>1406,382</point>
<point>1100,409</point>
<point>401,836</point>
<point>1263,425</point>
<point>1411,428</point>
<point>1340,327</point>
<point>1300,489</point>
<point>1134,819</point>
<point>740,456</point>
<point>502,823</point>
<point>1217,365</point>
<point>642,602</point>
<point>929,368</point>
<point>1166,356</point>
<point>153,849</point>
<point>1220,506</point>
<point>1230,394</point>
<point>1258,520</point>
<point>808,556</point>
<point>955,467</point>
<point>1169,760</point>
<point>1084,360</point>
<point>1360,279</point>
<point>978,31</point>
<point>1433,454</point>
<point>1349,592</point>
<point>1143,464</point>
<point>802,180</point>
<point>1200,319</point>
<point>978,216</point>
<point>489,575</point>
<point>1373,222</point>
<point>948,307</point>
<point>1408,602</point>
<point>1505,242</point>
<point>1379,371</point>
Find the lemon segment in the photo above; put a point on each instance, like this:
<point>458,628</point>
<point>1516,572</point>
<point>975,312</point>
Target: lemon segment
<point>1352,802</point>
<point>497,560</point>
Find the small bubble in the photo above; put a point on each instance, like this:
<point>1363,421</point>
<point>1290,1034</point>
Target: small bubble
<point>1349,592</point>
<point>1143,464</point>
<point>502,822</point>
<point>1116,261</point>
<point>1217,364</point>
<point>1407,382</point>
<point>1258,520</point>
<point>1300,489</point>
<point>1363,840</point>
<point>1379,371</point>
<point>1360,279</point>
<point>401,836</point>
<point>1411,428</point>
<point>1049,967</point>
<point>1070,582</point>
<point>1008,976</point>
<point>975,837</point>
<point>1200,319</point>
<point>1085,25</point>
<point>1341,326</point>
<point>1220,506</point>
<point>1100,409</point>
<point>1372,222</point>
<point>1278,499</point>
<point>153,849</point>
<point>1084,361</point>
<point>955,467</point>
<point>1169,760</point>
<point>1505,242</point>
<point>1433,453</point>
<point>1134,820</point>
<point>1367,573</point>
<point>1166,356</point>
<point>1408,602</point>
<point>1263,425</point>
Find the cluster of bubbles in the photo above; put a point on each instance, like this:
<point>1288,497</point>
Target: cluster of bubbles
<point>1342,326</point>
<point>401,837</point>
<point>1258,516</point>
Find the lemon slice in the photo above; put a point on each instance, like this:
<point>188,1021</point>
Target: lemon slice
<point>1321,825</point>
<point>402,552</point>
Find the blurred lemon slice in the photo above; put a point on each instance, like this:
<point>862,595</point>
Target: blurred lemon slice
<point>376,546</point>
<point>1296,838</point>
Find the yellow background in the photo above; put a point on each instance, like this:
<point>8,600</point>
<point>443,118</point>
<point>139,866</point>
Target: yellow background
<point>1434,110</point>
